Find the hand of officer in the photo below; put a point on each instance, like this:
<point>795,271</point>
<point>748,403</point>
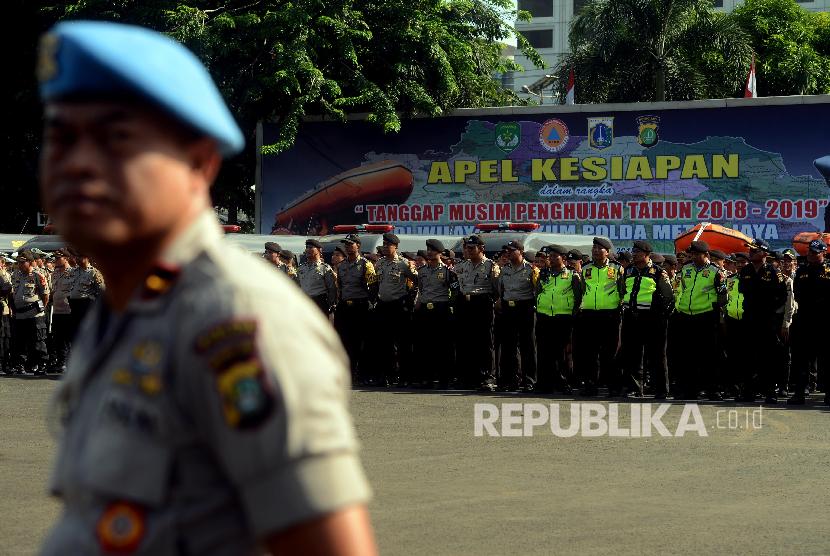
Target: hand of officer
<point>785,334</point>
<point>417,305</point>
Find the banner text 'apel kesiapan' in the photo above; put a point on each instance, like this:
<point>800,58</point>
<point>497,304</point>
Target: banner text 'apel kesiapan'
<point>639,171</point>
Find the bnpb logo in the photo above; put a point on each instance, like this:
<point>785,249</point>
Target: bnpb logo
<point>554,135</point>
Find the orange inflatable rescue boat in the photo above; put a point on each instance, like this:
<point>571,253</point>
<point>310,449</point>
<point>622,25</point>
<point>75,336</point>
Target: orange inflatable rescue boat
<point>717,236</point>
<point>801,242</point>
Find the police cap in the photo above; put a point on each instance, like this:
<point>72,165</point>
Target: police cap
<point>351,238</point>
<point>474,240</point>
<point>670,259</point>
<point>448,253</point>
<point>717,255</point>
<point>555,249</point>
<point>759,245</point>
<point>389,237</point>
<point>435,245</point>
<point>823,166</point>
<point>514,245</point>
<point>818,246</point>
<point>657,258</point>
<point>102,59</point>
<point>740,256</point>
<point>313,243</point>
<point>624,256</point>
<point>273,247</point>
<point>698,247</point>
<point>789,254</point>
<point>340,250</point>
<point>642,245</point>
<point>25,256</point>
<point>574,255</point>
<point>408,255</point>
<point>421,253</point>
<point>286,254</point>
<point>604,243</point>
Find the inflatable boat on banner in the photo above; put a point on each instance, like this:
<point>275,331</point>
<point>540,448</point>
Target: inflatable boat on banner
<point>717,236</point>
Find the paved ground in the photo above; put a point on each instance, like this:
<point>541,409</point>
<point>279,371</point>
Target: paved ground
<point>441,490</point>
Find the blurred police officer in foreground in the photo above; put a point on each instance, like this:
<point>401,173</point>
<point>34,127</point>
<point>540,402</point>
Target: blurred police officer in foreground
<point>396,276</point>
<point>517,292</point>
<point>437,284</point>
<point>598,327</point>
<point>812,294</point>
<point>316,278</point>
<point>478,281</point>
<point>764,290</point>
<point>204,407</point>
<point>701,294</point>
<point>558,299</point>
<point>647,302</point>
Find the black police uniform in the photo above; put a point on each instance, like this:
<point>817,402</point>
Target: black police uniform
<point>764,291</point>
<point>807,333</point>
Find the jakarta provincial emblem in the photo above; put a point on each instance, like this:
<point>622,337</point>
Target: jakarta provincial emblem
<point>601,132</point>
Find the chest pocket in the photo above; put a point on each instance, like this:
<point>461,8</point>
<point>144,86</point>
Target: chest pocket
<point>125,455</point>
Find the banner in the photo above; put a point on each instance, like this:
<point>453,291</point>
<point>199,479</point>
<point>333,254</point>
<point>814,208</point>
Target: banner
<point>627,175</point>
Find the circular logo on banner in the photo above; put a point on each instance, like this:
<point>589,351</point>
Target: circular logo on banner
<point>554,135</point>
<point>121,528</point>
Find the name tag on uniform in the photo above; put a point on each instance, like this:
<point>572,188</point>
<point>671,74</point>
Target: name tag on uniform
<point>511,303</point>
<point>467,296</point>
<point>430,306</point>
<point>349,302</point>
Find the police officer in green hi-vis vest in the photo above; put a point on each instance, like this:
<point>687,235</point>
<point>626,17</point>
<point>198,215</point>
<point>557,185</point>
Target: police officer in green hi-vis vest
<point>559,295</point>
<point>598,326</point>
<point>702,294</point>
<point>647,301</point>
<point>736,340</point>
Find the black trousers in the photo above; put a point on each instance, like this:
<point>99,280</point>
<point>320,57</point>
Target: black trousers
<point>393,351</point>
<point>475,351</point>
<point>519,331</point>
<point>30,342</point>
<point>762,369</point>
<point>736,347</point>
<point>79,308</point>
<point>807,337</point>
<point>696,371</point>
<point>553,336</point>
<point>322,301</point>
<point>644,335</point>
<point>434,344</point>
<point>350,321</point>
<point>597,340</point>
<point>5,340</point>
<point>62,334</point>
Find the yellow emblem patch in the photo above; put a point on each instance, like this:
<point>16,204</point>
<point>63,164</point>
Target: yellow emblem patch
<point>47,59</point>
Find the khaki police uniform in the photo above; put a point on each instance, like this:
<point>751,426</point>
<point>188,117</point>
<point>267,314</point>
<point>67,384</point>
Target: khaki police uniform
<point>517,290</point>
<point>28,292</point>
<point>5,320</point>
<point>436,287</point>
<point>87,286</point>
<point>392,320</point>
<point>209,414</point>
<point>478,285</point>
<point>357,288</point>
<point>62,321</point>
<point>319,282</point>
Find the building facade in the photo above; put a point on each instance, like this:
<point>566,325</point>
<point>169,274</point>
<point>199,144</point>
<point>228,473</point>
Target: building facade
<point>548,32</point>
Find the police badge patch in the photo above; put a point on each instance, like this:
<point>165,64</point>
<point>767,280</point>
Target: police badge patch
<point>601,132</point>
<point>647,130</point>
<point>508,136</point>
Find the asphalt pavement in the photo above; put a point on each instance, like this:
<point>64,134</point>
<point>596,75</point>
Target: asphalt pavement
<point>744,487</point>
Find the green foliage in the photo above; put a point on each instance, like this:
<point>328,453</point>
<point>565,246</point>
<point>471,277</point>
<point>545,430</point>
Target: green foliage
<point>278,61</point>
<point>792,46</point>
<point>647,50</point>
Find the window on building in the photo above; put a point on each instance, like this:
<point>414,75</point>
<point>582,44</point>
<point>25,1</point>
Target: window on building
<point>537,8</point>
<point>542,38</point>
<point>717,3</point>
<point>579,4</point>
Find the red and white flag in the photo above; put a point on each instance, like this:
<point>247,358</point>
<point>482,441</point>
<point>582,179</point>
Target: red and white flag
<point>751,89</point>
<point>569,96</point>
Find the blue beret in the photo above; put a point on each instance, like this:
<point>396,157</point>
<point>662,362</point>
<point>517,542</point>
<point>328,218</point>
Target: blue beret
<point>99,58</point>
